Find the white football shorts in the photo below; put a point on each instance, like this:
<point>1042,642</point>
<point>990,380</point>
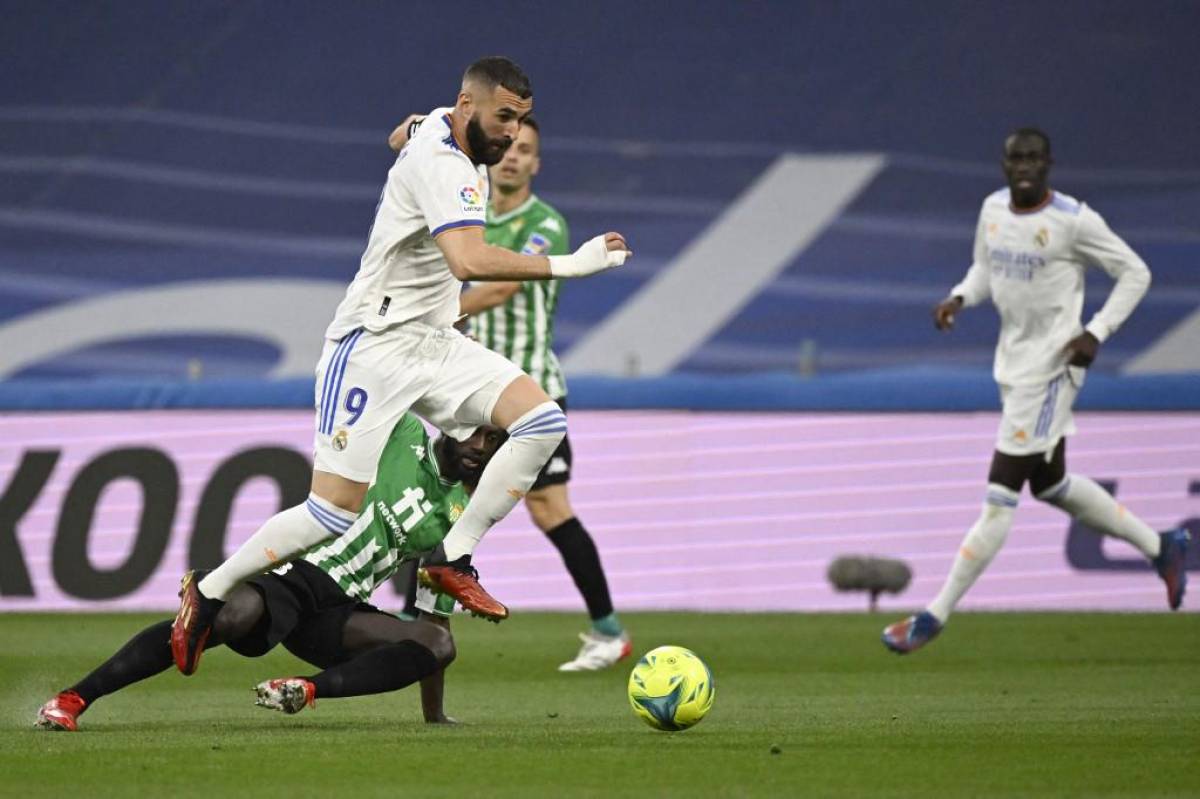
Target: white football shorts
<point>367,381</point>
<point>1037,417</point>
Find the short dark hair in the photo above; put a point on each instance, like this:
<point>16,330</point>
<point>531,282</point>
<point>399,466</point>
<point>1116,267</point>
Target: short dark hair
<point>531,122</point>
<point>1036,132</point>
<point>496,71</point>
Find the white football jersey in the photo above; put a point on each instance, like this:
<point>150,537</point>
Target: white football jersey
<point>403,276</point>
<point>1031,264</point>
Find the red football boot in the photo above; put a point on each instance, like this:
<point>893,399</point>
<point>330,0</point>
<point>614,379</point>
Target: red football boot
<point>461,581</point>
<point>193,623</point>
<point>61,713</point>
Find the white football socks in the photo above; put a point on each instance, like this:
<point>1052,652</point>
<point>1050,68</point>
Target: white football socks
<point>532,439</point>
<point>284,536</point>
<point>1088,502</point>
<point>982,543</point>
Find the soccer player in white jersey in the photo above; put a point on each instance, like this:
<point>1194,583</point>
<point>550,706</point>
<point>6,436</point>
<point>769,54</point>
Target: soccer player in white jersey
<point>392,348</point>
<point>517,320</point>
<point>1031,247</point>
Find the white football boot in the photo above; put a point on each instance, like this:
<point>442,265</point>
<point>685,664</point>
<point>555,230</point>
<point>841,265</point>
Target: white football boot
<point>599,651</point>
<point>288,695</point>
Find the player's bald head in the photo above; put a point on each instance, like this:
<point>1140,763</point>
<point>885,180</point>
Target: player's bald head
<point>1027,136</point>
<point>488,74</point>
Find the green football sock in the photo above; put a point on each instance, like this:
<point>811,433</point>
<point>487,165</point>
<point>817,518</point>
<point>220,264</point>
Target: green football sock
<point>608,625</point>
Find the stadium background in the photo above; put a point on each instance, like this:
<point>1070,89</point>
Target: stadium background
<point>186,190</point>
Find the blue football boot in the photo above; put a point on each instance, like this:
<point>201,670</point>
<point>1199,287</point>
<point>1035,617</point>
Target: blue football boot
<point>911,633</point>
<point>1171,564</point>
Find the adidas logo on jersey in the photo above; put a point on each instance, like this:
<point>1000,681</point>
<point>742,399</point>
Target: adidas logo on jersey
<point>557,465</point>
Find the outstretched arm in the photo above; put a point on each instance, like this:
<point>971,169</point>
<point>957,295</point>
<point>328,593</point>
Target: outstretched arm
<point>472,258</point>
<point>549,237</point>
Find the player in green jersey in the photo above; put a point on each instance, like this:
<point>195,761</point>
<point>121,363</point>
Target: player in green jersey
<point>516,319</point>
<point>315,606</point>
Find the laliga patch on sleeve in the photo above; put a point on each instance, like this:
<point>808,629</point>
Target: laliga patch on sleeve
<point>470,199</point>
<point>536,245</point>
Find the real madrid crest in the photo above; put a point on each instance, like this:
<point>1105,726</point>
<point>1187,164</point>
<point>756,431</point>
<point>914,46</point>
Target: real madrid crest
<point>1043,237</point>
<point>340,439</point>
<point>456,511</point>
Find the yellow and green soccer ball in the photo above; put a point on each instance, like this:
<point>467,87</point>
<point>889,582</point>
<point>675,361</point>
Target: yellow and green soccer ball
<point>671,689</point>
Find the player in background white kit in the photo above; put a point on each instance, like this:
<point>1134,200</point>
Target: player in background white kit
<point>392,347</point>
<point>1031,247</point>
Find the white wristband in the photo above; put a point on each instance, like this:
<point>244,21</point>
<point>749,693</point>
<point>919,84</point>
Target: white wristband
<point>593,256</point>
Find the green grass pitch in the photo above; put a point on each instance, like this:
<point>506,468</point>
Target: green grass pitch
<point>1021,705</point>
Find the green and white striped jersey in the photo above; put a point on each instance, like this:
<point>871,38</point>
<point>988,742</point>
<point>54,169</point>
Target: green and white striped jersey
<point>522,329</point>
<point>407,511</point>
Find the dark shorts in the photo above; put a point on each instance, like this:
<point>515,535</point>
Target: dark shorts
<point>305,611</point>
<point>558,469</point>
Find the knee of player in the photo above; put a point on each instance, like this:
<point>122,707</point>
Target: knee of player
<point>546,512</point>
<point>1052,494</point>
<point>441,643</point>
<point>239,615</point>
<point>1000,501</point>
<point>541,518</point>
<point>546,422</point>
